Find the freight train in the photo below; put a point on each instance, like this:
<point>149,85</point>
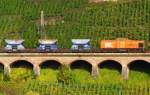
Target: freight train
<point>118,45</point>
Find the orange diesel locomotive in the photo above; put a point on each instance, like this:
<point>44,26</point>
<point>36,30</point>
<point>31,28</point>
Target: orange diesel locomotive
<point>122,45</point>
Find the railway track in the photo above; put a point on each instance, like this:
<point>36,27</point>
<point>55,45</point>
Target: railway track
<point>120,50</point>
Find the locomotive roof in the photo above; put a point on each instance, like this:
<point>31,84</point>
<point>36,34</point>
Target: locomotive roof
<point>122,39</point>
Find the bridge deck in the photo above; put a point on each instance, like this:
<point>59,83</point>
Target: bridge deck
<point>75,54</point>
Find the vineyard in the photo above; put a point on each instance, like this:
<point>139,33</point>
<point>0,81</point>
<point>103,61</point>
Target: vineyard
<point>87,89</point>
<point>42,88</point>
<point>68,19</point>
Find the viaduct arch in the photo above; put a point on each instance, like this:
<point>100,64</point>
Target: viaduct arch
<point>50,64</point>
<point>110,64</point>
<point>82,64</point>
<point>94,60</point>
<point>21,63</point>
<point>140,65</point>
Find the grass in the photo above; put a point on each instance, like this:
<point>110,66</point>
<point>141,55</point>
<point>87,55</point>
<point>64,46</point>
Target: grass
<point>11,88</point>
<point>49,75</point>
<point>79,76</point>
<point>109,76</point>
<point>1,75</point>
<point>21,74</point>
<point>137,76</point>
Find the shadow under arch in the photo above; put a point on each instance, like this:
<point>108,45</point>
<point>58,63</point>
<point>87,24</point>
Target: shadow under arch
<point>81,64</point>
<point>1,67</point>
<point>53,64</point>
<point>21,64</point>
<point>110,64</point>
<point>140,65</point>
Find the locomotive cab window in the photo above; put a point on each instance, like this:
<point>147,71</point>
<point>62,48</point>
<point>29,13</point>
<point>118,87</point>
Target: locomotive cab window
<point>141,45</point>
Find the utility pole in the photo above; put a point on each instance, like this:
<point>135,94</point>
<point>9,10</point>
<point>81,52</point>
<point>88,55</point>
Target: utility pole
<point>43,35</point>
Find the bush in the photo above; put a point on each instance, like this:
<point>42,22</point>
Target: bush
<point>65,76</point>
<point>21,74</point>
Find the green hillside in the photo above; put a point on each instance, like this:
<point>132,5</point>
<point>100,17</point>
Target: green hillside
<point>67,19</point>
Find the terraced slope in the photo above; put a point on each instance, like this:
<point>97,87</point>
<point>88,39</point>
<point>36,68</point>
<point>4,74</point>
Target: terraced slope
<point>67,19</point>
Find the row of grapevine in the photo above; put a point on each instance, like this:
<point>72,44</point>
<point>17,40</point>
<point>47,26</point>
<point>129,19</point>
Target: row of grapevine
<point>87,89</point>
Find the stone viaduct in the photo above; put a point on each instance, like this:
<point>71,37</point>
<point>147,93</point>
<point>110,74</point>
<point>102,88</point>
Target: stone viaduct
<point>94,59</point>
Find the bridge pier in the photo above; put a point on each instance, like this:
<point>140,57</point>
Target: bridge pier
<point>36,70</point>
<point>125,72</point>
<point>95,72</point>
<point>7,70</point>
